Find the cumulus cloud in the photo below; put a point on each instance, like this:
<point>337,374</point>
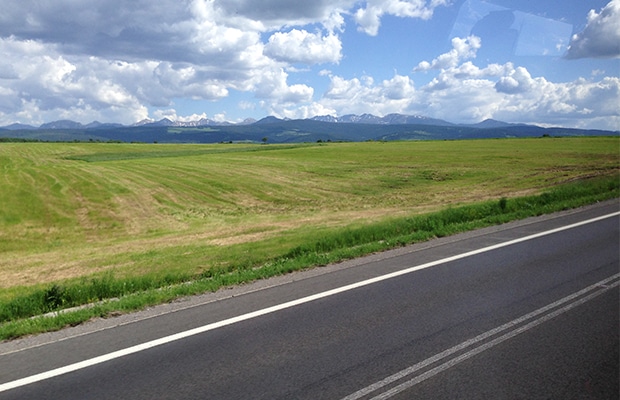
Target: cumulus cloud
<point>517,81</point>
<point>272,85</point>
<point>466,93</point>
<point>369,18</point>
<point>462,49</point>
<point>300,46</point>
<point>470,70</point>
<point>299,112</point>
<point>111,28</point>
<point>510,93</point>
<point>601,36</point>
<point>273,14</point>
<point>104,56</point>
<point>578,100</point>
<point>50,84</point>
<point>171,114</point>
<point>357,96</point>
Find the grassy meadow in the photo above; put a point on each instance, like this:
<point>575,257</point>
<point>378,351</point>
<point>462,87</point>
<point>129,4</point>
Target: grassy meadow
<point>146,215</point>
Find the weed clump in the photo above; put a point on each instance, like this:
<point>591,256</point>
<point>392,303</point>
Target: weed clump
<point>53,298</point>
<point>503,202</point>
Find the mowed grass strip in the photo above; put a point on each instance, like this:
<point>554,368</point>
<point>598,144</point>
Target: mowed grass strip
<point>73,231</point>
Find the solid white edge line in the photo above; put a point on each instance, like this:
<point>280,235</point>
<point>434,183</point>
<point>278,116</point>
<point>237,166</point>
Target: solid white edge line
<point>205,328</point>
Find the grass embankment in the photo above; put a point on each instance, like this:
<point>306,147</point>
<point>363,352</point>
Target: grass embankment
<point>82,223</point>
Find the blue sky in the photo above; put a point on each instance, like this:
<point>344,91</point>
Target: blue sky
<point>547,62</point>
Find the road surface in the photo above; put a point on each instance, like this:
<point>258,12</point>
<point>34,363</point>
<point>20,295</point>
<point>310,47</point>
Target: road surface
<point>525,310</point>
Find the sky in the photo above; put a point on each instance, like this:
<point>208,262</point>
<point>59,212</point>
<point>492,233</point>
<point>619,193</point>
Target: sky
<point>546,62</point>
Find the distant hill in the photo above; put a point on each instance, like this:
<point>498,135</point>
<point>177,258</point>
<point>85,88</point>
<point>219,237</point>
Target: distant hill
<point>274,130</point>
<point>99,125</point>
<point>16,127</point>
<point>62,124</point>
<point>491,123</point>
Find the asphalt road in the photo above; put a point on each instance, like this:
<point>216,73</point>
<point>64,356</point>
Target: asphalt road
<point>481,315</point>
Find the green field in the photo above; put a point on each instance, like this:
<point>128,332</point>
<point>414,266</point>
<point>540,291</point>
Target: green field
<point>72,212</point>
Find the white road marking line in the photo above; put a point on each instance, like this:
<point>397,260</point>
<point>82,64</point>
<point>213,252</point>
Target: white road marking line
<point>573,300</point>
<point>230,321</point>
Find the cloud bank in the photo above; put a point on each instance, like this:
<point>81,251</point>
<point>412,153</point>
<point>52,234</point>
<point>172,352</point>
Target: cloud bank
<point>117,61</point>
<point>467,93</point>
<point>601,36</point>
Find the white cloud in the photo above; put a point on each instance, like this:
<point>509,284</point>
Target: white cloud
<point>300,112</point>
<point>342,89</point>
<point>398,88</point>
<point>510,93</point>
<point>49,83</point>
<point>369,18</point>
<point>601,36</point>
<point>469,70</point>
<point>566,103</point>
<point>517,81</point>
<point>171,114</point>
<point>100,56</point>
<point>466,93</point>
<point>462,49</point>
<point>357,96</point>
<point>300,46</point>
<point>48,79</point>
<point>272,85</point>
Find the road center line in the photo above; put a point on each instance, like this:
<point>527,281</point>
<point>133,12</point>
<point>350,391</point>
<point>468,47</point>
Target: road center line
<point>513,328</point>
<point>230,321</point>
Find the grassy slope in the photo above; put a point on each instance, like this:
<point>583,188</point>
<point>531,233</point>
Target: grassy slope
<point>74,211</point>
<point>64,218</point>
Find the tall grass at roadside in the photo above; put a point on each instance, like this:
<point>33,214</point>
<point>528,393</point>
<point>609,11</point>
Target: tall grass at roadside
<point>330,246</point>
<point>452,220</point>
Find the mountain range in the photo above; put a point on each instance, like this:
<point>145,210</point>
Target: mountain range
<point>274,130</point>
<point>390,119</point>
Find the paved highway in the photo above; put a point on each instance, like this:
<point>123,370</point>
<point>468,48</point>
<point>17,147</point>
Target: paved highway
<point>525,310</point>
